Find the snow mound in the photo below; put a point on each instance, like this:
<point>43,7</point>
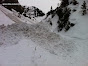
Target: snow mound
<point>52,42</point>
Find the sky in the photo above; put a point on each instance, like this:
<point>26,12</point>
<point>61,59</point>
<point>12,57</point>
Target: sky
<point>44,5</point>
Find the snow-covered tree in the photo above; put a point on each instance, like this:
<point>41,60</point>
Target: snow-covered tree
<point>84,8</point>
<point>32,12</point>
<point>64,3</point>
<point>50,12</point>
<point>63,15</point>
<point>74,2</point>
<point>51,8</point>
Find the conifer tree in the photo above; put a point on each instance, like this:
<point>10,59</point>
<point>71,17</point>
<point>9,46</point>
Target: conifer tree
<point>50,12</point>
<point>84,9</point>
<point>74,2</point>
<point>64,3</point>
<point>63,12</point>
<point>51,8</point>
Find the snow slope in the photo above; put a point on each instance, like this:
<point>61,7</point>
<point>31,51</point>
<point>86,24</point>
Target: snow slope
<point>14,16</point>
<point>30,45</point>
<point>23,44</point>
<point>6,21</point>
<point>26,44</point>
<point>80,30</point>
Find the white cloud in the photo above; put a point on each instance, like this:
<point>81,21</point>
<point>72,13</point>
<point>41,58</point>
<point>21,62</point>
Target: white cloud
<point>42,4</point>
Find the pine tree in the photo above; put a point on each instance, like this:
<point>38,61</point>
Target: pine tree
<point>63,22</point>
<point>51,8</point>
<point>39,12</point>
<point>50,12</point>
<point>84,9</point>
<point>74,2</point>
<point>63,13</point>
<point>64,3</point>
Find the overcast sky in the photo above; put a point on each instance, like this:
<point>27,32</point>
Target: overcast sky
<point>42,4</point>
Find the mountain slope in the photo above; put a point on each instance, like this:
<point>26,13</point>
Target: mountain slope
<point>25,44</point>
<point>79,29</point>
<point>32,12</point>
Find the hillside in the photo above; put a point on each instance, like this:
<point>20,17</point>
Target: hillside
<point>27,42</point>
<point>30,11</point>
<point>79,29</point>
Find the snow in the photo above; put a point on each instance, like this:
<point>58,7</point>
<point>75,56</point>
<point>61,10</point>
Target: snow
<point>32,47</point>
<point>6,21</point>
<point>35,44</point>
<point>39,48</point>
<point>80,29</point>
